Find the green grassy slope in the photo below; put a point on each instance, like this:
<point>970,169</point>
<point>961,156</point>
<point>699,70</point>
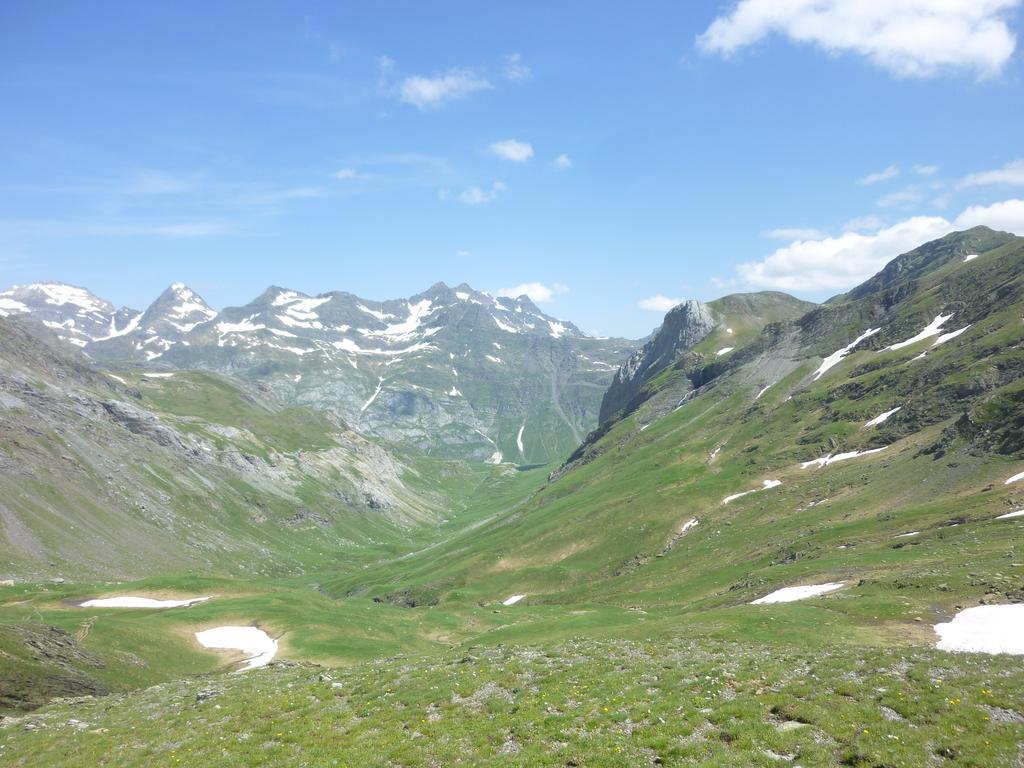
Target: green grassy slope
<point>636,642</point>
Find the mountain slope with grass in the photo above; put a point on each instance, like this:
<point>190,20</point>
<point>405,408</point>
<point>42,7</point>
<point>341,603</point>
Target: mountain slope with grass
<point>745,566</point>
<point>123,475</point>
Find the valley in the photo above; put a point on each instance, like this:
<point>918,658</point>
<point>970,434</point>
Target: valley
<point>743,558</point>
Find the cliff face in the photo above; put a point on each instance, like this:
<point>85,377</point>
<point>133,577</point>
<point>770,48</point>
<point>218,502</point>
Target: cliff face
<point>684,326</point>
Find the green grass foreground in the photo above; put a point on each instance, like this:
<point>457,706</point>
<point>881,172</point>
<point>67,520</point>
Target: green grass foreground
<point>580,703</point>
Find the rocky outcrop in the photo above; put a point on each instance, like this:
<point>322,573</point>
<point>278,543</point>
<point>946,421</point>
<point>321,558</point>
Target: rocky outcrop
<point>684,326</point>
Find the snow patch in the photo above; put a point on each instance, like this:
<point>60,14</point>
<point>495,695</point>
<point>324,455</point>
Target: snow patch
<point>984,629</point>
<point>765,389</point>
<point>1009,515</point>
<point>907,535</point>
<point>512,600</point>
<point>131,601</point>
<point>932,329</point>
<point>970,257</point>
<point>724,351</point>
<point>881,417</point>
<point>376,392</point>
<point>255,643</point>
<point>494,359</point>
<point>791,594</point>
<point>519,439</point>
<point>764,487</point>
<point>947,336</point>
<point>836,357</point>
<point>824,461</point>
<point>1015,478</point>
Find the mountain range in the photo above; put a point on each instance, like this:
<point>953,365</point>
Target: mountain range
<point>453,371</point>
<point>768,547</point>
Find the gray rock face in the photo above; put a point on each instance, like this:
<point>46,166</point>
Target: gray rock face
<point>685,325</point>
<point>453,371</point>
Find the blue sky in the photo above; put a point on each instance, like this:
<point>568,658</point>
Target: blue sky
<point>610,157</point>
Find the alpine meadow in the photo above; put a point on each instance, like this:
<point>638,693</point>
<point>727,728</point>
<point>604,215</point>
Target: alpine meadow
<point>512,384</point>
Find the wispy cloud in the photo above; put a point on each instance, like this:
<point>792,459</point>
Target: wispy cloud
<point>430,92</point>
<point>900,199</point>
<point>479,195</point>
<point>538,292</point>
<point>909,38</point>
<point>1012,173</point>
<point>925,170</point>
<point>515,70</point>
<point>562,162</point>
<point>863,223</point>
<point>659,303</point>
<point>793,233</point>
<point>513,150</point>
<point>874,178</point>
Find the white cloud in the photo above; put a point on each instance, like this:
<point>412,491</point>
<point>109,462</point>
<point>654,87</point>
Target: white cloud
<point>562,162</point>
<point>793,233</point>
<point>1011,173</point>
<point>464,254</point>
<point>515,71</point>
<point>479,196</point>
<point>348,174</point>
<point>903,197</point>
<point>431,92</point>
<point>1007,216</point>
<point>513,150</point>
<point>839,263</point>
<point>861,223</point>
<point>925,170</point>
<point>538,292</point>
<point>874,178</point>
<point>659,303</point>
<point>910,38</point>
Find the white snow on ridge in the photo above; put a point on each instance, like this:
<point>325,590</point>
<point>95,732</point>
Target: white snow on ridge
<point>724,351</point>
<point>1009,515</point>
<point>130,601</point>
<point>1015,478</point>
<point>790,594</point>
<point>513,600</point>
<point>824,461</point>
<point>10,306</point>
<point>557,329</point>
<point>765,389</point>
<point>60,294</point>
<point>691,523</point>
<point>932,329</point>
<point>836,357</point>
<point>257,644</point>
<point>382,316</point>
<point>970,257</point>
<point>373,397</point>
<point>347,345</point>
<point>984,629</point>
<point>519,439</point>
<point>947,336</point>
<point>881,417</point>
<point>245,326</point>
<point>764,487</point>
<point>505,326</point>
<point>494,359</point>
<point>453,392</point>
<point>113,333</point>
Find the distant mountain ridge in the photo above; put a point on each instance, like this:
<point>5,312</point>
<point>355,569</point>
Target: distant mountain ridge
<point>455,371</point>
